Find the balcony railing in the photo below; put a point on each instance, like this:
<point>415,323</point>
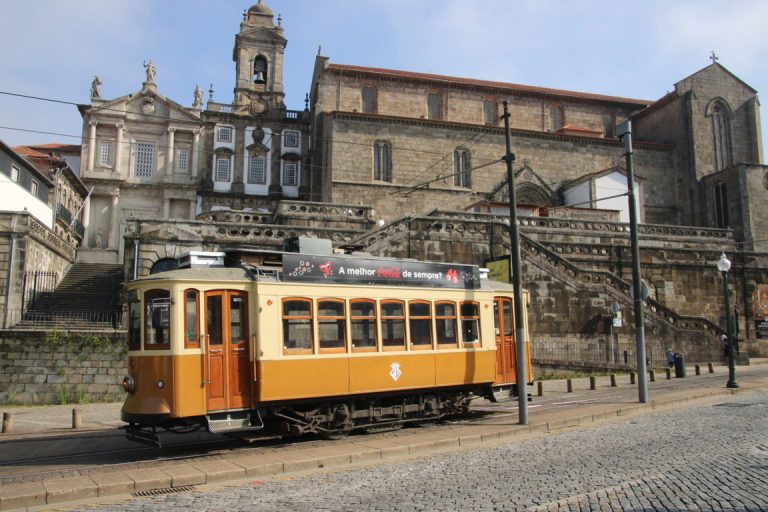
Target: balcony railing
<point>63,214</point>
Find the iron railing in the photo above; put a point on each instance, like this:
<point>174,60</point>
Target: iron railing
<point>61,320</point>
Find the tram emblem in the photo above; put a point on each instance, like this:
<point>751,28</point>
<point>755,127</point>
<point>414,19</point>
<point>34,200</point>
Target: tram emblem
<point>394,371</point>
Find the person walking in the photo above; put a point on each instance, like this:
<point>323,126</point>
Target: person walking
<point>670,358</point>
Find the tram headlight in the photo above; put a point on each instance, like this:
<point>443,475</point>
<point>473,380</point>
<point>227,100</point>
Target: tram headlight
<point>160,384</point>
<point>129,384</point>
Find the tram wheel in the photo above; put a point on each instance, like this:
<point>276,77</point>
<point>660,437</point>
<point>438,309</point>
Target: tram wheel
<point>341,424</point>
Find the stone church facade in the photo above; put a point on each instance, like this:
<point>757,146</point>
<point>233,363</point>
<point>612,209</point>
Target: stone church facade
<point>408,164</point>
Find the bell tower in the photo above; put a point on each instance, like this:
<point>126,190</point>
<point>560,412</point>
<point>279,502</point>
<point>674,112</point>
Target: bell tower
<point>258,55</point>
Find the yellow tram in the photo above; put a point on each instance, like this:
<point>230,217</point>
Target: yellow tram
<point>323,344</point>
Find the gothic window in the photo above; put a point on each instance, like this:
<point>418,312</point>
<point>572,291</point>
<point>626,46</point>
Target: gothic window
<point>257,170</point>
<point>555,117</point>
<point>490,112</point>
<point>145,159</point>
<point>434,106</point>
<point>291,174</point>
<point>260,70</point>
<point>223,165</point>
<point>382,163</point>
<point>721,205</point>
<point>105,154</point>
<point>461,168</point>
<point>721,135</point>
<point>369,100</point>
<point>224,134</point>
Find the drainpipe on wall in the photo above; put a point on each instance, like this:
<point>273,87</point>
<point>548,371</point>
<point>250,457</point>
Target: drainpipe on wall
<point>8,281</point>
<point>135,258</point>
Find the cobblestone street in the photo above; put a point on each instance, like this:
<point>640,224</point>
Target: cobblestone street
<point>707,457</point>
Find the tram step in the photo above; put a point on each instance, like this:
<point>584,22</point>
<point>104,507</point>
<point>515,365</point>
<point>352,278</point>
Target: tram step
<point>232,422</point>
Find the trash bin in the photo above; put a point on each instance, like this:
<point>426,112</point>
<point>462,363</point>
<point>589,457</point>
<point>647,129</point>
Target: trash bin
<point>679,365</point>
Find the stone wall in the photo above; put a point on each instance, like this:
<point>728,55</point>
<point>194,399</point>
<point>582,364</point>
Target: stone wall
<point>59,367</point>
<point>422,165</point>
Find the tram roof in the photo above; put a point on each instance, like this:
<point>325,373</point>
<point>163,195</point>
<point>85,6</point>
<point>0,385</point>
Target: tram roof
<point>267,275</point>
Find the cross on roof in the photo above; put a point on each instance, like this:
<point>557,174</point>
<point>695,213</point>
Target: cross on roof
<point>714,58</point>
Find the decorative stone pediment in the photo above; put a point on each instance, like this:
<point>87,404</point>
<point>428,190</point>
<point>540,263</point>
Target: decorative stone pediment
<point>169,232</point>
<point>258,148</point>
<point>147,102</point>
<point>530,188</point>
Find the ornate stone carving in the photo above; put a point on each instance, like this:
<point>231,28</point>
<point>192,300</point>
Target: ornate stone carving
<point>96,87</point>
<point>151,70</point>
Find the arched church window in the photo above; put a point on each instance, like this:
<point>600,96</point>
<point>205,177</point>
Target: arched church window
<point>260,70</point>
<point>382,161</point>
<point>721,135</point>
<point>555,117</point>
<point>461,168</point>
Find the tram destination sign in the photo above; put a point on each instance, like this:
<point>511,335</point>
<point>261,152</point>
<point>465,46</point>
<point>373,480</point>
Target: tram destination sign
<point>352,270</point>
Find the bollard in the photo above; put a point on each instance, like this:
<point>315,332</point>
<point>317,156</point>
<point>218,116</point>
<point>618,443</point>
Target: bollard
<point>631,377</point>
<point>592,382</point>
<point>711,369</point>
<point>613,380</point>
<point>76,418</point>
<point>698,369</point>
<point>669,373</point>
<point>569,383</point>
<point>652,375</point>
<point>7,423</point>
<point>541,388</point>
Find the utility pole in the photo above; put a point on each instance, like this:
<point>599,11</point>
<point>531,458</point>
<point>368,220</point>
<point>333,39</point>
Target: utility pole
<point>625,133</point>
<point>514,249</point>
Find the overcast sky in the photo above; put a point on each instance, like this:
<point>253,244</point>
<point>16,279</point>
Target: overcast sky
<point>637,49</point>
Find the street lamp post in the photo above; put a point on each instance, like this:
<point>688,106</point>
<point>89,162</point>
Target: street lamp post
<point>724,265</point>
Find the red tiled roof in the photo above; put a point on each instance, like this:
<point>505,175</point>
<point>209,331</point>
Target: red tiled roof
<point>57,145</point>
<point>29,152</point>
<point>487,83</point>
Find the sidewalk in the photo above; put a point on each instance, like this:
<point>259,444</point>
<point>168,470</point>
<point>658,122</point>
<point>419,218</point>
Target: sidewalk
<point>565,410</point>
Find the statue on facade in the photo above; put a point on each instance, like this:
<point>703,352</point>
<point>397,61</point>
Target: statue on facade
<point>198,103</point>
<point>150,67</point>
<point>96,87</point>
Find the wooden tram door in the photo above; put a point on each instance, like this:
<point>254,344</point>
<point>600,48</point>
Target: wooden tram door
<point>226,350</point>
<point>503,310</point>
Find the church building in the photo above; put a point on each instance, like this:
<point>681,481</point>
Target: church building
<point>409,164</point>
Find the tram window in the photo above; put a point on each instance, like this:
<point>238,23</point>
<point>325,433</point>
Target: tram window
<point>237,319</point>
<point>214,319</point>
<point>470,322</point>
<point>157,305</point>
<point>509,324</point>
<point>420,323</point>
<point>297,325</point>
<point>134,326</point>
<point>363,320</point>
<point>331,325</point>
<point>445,320</point>
<point>393,325</point>
<point>191,314</point>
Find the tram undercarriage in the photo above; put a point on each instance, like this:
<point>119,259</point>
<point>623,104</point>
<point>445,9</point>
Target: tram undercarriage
<point>328,418</point>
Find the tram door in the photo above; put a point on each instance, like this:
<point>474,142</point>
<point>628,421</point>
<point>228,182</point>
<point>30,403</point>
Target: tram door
<point>226,350</point>
<point>505,340</point>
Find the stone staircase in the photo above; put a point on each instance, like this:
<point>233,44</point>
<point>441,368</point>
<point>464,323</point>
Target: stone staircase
<point>87,298</point>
